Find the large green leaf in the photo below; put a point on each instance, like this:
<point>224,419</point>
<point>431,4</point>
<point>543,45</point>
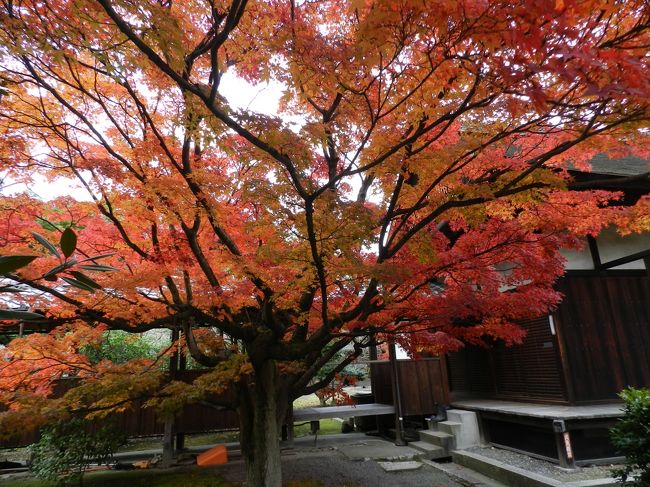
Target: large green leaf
<point>6,314</point>
<point>55,270</point>
<point>97,257</point>
<point>85,279</point>
<point>68,242</point>
<point>97,268</point>
<point>78,284</point>
<point>10,263</point>
<point>47,244</point>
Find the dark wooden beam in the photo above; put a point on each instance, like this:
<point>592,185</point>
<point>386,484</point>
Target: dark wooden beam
<point>624,260</point>
<point>606,272</point>
<point>593,250</point>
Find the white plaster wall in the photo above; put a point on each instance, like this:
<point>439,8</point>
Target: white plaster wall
<point>578,259</point>
<point>610,246</point>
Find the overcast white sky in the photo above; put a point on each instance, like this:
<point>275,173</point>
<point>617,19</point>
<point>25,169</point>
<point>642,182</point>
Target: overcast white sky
<point>262,98</point>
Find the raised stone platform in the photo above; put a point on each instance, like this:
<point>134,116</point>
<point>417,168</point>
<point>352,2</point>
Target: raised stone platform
<point>569,435</point>
<point>547,411</point>
<point>316,414</point>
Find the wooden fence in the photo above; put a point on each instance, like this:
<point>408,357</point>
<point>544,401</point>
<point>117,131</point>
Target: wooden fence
<point>422,383</point>
<point>140,421</point>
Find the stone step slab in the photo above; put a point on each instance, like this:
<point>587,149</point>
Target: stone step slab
<point>399,466</point>
<point>450,427</point>
<point>431,452</point>
<point>438,438</point>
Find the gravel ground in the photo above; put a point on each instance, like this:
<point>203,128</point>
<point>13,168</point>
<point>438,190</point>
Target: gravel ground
<point>334,470</point>
<point>542,467</point>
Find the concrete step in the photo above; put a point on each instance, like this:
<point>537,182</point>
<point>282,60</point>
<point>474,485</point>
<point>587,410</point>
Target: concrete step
<point>450,427</point>
<point>438,438</point>
<point>468,434</point>
<point>460,415</point>
<point>518,477</point>
<point>501,472</point>
<point>431,452</point>
<point>463,475</point>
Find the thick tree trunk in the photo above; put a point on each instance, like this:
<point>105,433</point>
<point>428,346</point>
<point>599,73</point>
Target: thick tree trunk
<point>260,415</point>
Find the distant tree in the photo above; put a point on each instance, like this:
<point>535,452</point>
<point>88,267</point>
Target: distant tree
<point>119,347</point>
<point>348,376</point>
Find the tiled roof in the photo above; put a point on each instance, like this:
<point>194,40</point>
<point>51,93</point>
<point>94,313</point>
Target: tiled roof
<point>625,166</point>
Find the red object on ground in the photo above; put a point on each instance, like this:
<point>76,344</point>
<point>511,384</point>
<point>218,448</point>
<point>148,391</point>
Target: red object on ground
<point>214,456</point>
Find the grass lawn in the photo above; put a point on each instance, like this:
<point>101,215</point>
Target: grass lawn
<point>154,443</point>
<point>327,427</point>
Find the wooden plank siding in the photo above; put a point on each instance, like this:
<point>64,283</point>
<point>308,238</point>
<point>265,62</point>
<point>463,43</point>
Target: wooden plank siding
<point>531,370</point>
<point>528,371</point>
<point>422,383</point>
<point>602,345</point>
<point>604,322</point>
<point>470,373</point>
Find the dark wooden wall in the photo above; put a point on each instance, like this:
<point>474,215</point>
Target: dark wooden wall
<point>423,384</point>
<point>604,323</point>
<point>531,370</point>
<point>141,421</point>
<point>470,373</point>
<point>601,345</point>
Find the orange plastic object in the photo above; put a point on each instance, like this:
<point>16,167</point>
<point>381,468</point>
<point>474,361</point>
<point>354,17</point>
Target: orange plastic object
<point>214,456</point>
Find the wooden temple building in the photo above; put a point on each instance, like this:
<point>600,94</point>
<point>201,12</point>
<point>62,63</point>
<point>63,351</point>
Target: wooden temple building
<point>573,362</point>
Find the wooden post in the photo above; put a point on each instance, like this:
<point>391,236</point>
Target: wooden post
<point>563,443</point>
<point>168,432</point>
<point>168,443</point>
<point>397,401</point>
<point>182,365</point>
<point>288,433</point>
<point>595,254</point>
<point>373,347</point>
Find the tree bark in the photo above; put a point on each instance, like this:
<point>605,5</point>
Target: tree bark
<point>260,414</point>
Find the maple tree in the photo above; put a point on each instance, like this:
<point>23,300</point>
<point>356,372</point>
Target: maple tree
<point>412,185</point>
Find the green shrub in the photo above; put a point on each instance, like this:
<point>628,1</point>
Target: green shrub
<point>65,450</point>
<point>120,347</point>
<point>631,437</point>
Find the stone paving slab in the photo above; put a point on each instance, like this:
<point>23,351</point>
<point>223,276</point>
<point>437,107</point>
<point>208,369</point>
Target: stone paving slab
<point>399,466</point>
<point>372,449</point>
<point>463,475</point>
